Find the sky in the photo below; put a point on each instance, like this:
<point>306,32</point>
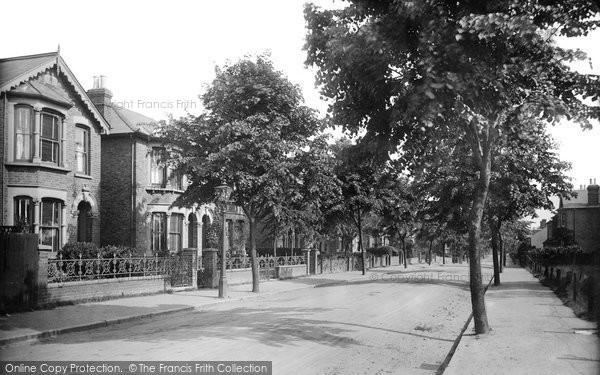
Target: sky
<point>157,56</point>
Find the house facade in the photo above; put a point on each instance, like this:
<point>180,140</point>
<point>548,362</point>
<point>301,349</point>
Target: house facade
<point>581,216</point>
<point>139,188</point>
<point>51,145</point>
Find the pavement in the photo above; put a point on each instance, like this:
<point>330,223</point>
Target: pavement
<point>533,332</point>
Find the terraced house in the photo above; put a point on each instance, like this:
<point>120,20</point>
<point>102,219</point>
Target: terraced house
<point>50,151</point>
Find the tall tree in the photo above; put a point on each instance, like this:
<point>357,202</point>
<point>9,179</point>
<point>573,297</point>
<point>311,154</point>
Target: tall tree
<point>254,123</point>
<point>413,73</point>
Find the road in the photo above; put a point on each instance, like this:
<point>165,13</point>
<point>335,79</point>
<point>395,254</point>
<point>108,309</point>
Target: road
<point>396,323</point>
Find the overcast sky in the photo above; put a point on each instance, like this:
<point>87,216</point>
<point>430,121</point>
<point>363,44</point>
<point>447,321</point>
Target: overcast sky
<point>157,55</point>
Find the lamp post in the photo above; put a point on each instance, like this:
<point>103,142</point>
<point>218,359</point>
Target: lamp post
<point>223,193</point>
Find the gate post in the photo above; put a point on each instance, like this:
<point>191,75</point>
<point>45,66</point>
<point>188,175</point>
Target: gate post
<point>314,259</point>
<point>190,256</point>
<point>210,274</point>
<point>306,253</point>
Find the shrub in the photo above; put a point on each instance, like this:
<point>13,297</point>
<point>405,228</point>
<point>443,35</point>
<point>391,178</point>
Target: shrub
<point>556,255</point>
<point>110,251</point>
<point>72,250</point>
<point>382,250</point>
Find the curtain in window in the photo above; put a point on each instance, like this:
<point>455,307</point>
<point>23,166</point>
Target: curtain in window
<point>23,133</point>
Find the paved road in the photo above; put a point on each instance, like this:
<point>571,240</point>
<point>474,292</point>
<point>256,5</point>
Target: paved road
<point>399,323</point>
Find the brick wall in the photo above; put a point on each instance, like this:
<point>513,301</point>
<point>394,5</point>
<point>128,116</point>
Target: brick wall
<point>586,225</point>
<point>93,290</point>
<point>116,190</point>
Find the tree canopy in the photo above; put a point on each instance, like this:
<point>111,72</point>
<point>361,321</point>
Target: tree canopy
<point>415,74</point>
<point>252,130</point>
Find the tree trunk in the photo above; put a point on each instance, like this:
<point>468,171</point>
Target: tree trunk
<point>403,251</point>
<point>475,217</point>
<point>360,243</point>
<point>502,251</point>
<point>253,258</point>
<point>443,253</point>
<point>430,245</point>
<point>495,254</point>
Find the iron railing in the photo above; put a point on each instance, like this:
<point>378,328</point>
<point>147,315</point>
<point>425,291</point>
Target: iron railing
<point>66,270</point>
<point>243,262</point>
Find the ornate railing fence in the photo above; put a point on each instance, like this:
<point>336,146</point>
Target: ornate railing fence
<point>243,262</point>
<point>340,264</point>
<point>66,270</point>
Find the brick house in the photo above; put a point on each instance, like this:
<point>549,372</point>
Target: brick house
<point>50,149</point>
<point>581,215</point>
<point>138,187</point>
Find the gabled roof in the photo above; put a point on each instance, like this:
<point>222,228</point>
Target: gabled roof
<point>15,71</point>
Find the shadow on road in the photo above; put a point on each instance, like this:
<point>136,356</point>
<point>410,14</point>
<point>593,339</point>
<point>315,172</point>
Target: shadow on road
<point>276,327</point>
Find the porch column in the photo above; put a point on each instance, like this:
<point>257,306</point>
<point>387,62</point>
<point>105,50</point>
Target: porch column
<point>36,216</point>
<point>168,230</point>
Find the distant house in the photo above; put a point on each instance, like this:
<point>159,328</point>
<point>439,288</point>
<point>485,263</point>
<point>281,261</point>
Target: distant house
<point>538,236</point>
<point>581,215</point>
<point>50,151</point>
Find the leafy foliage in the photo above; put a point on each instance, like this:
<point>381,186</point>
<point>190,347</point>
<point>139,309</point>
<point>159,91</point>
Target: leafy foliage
<point>248,138</point>
<point>89,250</point>
<point>417,74</point>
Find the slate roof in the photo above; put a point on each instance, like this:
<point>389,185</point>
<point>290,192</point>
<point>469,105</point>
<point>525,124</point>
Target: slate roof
<point>15,67</point>
<point>581,201</point>
<point>123,120</point>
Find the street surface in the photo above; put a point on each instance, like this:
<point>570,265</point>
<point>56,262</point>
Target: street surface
<point>398,322</point>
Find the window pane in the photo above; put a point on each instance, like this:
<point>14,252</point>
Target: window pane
<point>23,132</point>
<point>23,120</point>
<point>23,210</point>
<point>157,174</point>
<point>47,153</point>
<point>81,150</point>
<point>47,126</point>
<point>50,218</point>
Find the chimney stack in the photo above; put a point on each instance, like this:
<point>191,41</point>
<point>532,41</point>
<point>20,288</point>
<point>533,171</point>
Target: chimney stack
<point>100,95</point>
<point>593,191</point>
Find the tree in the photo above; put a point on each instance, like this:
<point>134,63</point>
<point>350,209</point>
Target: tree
<point>415,73</point>
<point>399,211</point>
<point>360,174</point>
<point>526,173</point>
<point>253,125</point>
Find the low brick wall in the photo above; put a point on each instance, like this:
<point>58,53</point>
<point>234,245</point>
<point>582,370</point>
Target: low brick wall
<point>239,277</point>
<point>101,289</point>
<point>290,272</point>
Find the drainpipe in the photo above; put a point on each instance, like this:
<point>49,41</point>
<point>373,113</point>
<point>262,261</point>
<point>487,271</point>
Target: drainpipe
<point>133,219</point>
